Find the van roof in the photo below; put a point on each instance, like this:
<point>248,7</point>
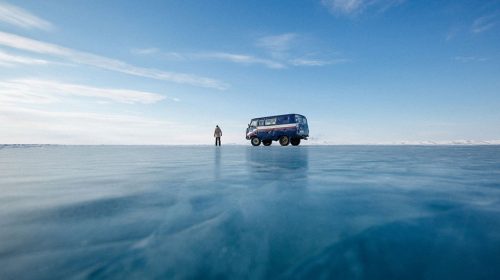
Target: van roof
<point>278,116</point>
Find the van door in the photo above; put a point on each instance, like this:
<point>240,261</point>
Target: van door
<point>271,133</point>
<point>260,131</point>
<point>252,126</point>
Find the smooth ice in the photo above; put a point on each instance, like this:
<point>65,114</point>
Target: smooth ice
<point>238,212</point>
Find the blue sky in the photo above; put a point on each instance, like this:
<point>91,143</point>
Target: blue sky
<point>166,72</point>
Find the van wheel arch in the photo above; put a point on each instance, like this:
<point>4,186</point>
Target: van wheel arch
<point>284,140</point>
<point>295,141</point>
<point>255,141</point>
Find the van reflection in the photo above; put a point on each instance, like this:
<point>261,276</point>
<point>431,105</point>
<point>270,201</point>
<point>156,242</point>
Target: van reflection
<point>278,163</point>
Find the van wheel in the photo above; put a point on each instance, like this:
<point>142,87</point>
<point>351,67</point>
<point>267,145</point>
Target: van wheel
<point>284,141</point>
<point>295,141</point>
<point>255,141</point>
<point>267,142</point>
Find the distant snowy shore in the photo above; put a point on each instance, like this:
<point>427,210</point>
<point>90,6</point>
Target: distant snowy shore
<point>311,142</point>
<point>423,143</point>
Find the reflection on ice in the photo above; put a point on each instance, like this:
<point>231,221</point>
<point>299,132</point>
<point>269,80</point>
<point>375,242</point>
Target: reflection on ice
<point>445,246</point>
<point>275,164</point>
<point>250,212</point>
<point>217,167</point>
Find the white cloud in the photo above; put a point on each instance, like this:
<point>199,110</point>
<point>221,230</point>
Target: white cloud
<point>353,7</point>
<point>281,51</point>
<point>451,34</point>
<point>22,125</point>
<point>277,43</point>
<point>224,56</point>
<point>31,126</point>
<point>287,49</point>
<point>158,53</point>
<point>26,44</point>
<point>7,59</point>
<point>469,59</point>
<point>316,62</point>
<point>344,6</point>
<point>19,17</point>
<point>38,91</point>
<point>243,59</point>
<point>484,23</point>
<point>146,51</point>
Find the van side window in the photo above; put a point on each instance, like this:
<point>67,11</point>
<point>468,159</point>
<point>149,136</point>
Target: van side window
<point>261,122</point>
<point>283,119</point>
<point>271,121</point>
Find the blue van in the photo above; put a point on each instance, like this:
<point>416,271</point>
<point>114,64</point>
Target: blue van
<point>286,129</point>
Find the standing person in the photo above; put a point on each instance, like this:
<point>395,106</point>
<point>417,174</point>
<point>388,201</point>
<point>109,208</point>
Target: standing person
<point>217,134</point>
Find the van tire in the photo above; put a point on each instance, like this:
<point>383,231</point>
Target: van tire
<point>284,140</point>
<point>267,142</point>
<point>295,141</point>
<point>255,141</point>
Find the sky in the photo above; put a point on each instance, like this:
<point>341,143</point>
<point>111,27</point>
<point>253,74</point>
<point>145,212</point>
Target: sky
<point>166,72</point>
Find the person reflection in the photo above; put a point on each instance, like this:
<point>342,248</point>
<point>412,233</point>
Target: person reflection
<point>217,166</point>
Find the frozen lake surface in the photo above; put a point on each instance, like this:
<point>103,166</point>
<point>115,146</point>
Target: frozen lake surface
<point>238,212</point>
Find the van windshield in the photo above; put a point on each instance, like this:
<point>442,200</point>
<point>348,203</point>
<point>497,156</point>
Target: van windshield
<point>300,119</point>
<point>253,123</point>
